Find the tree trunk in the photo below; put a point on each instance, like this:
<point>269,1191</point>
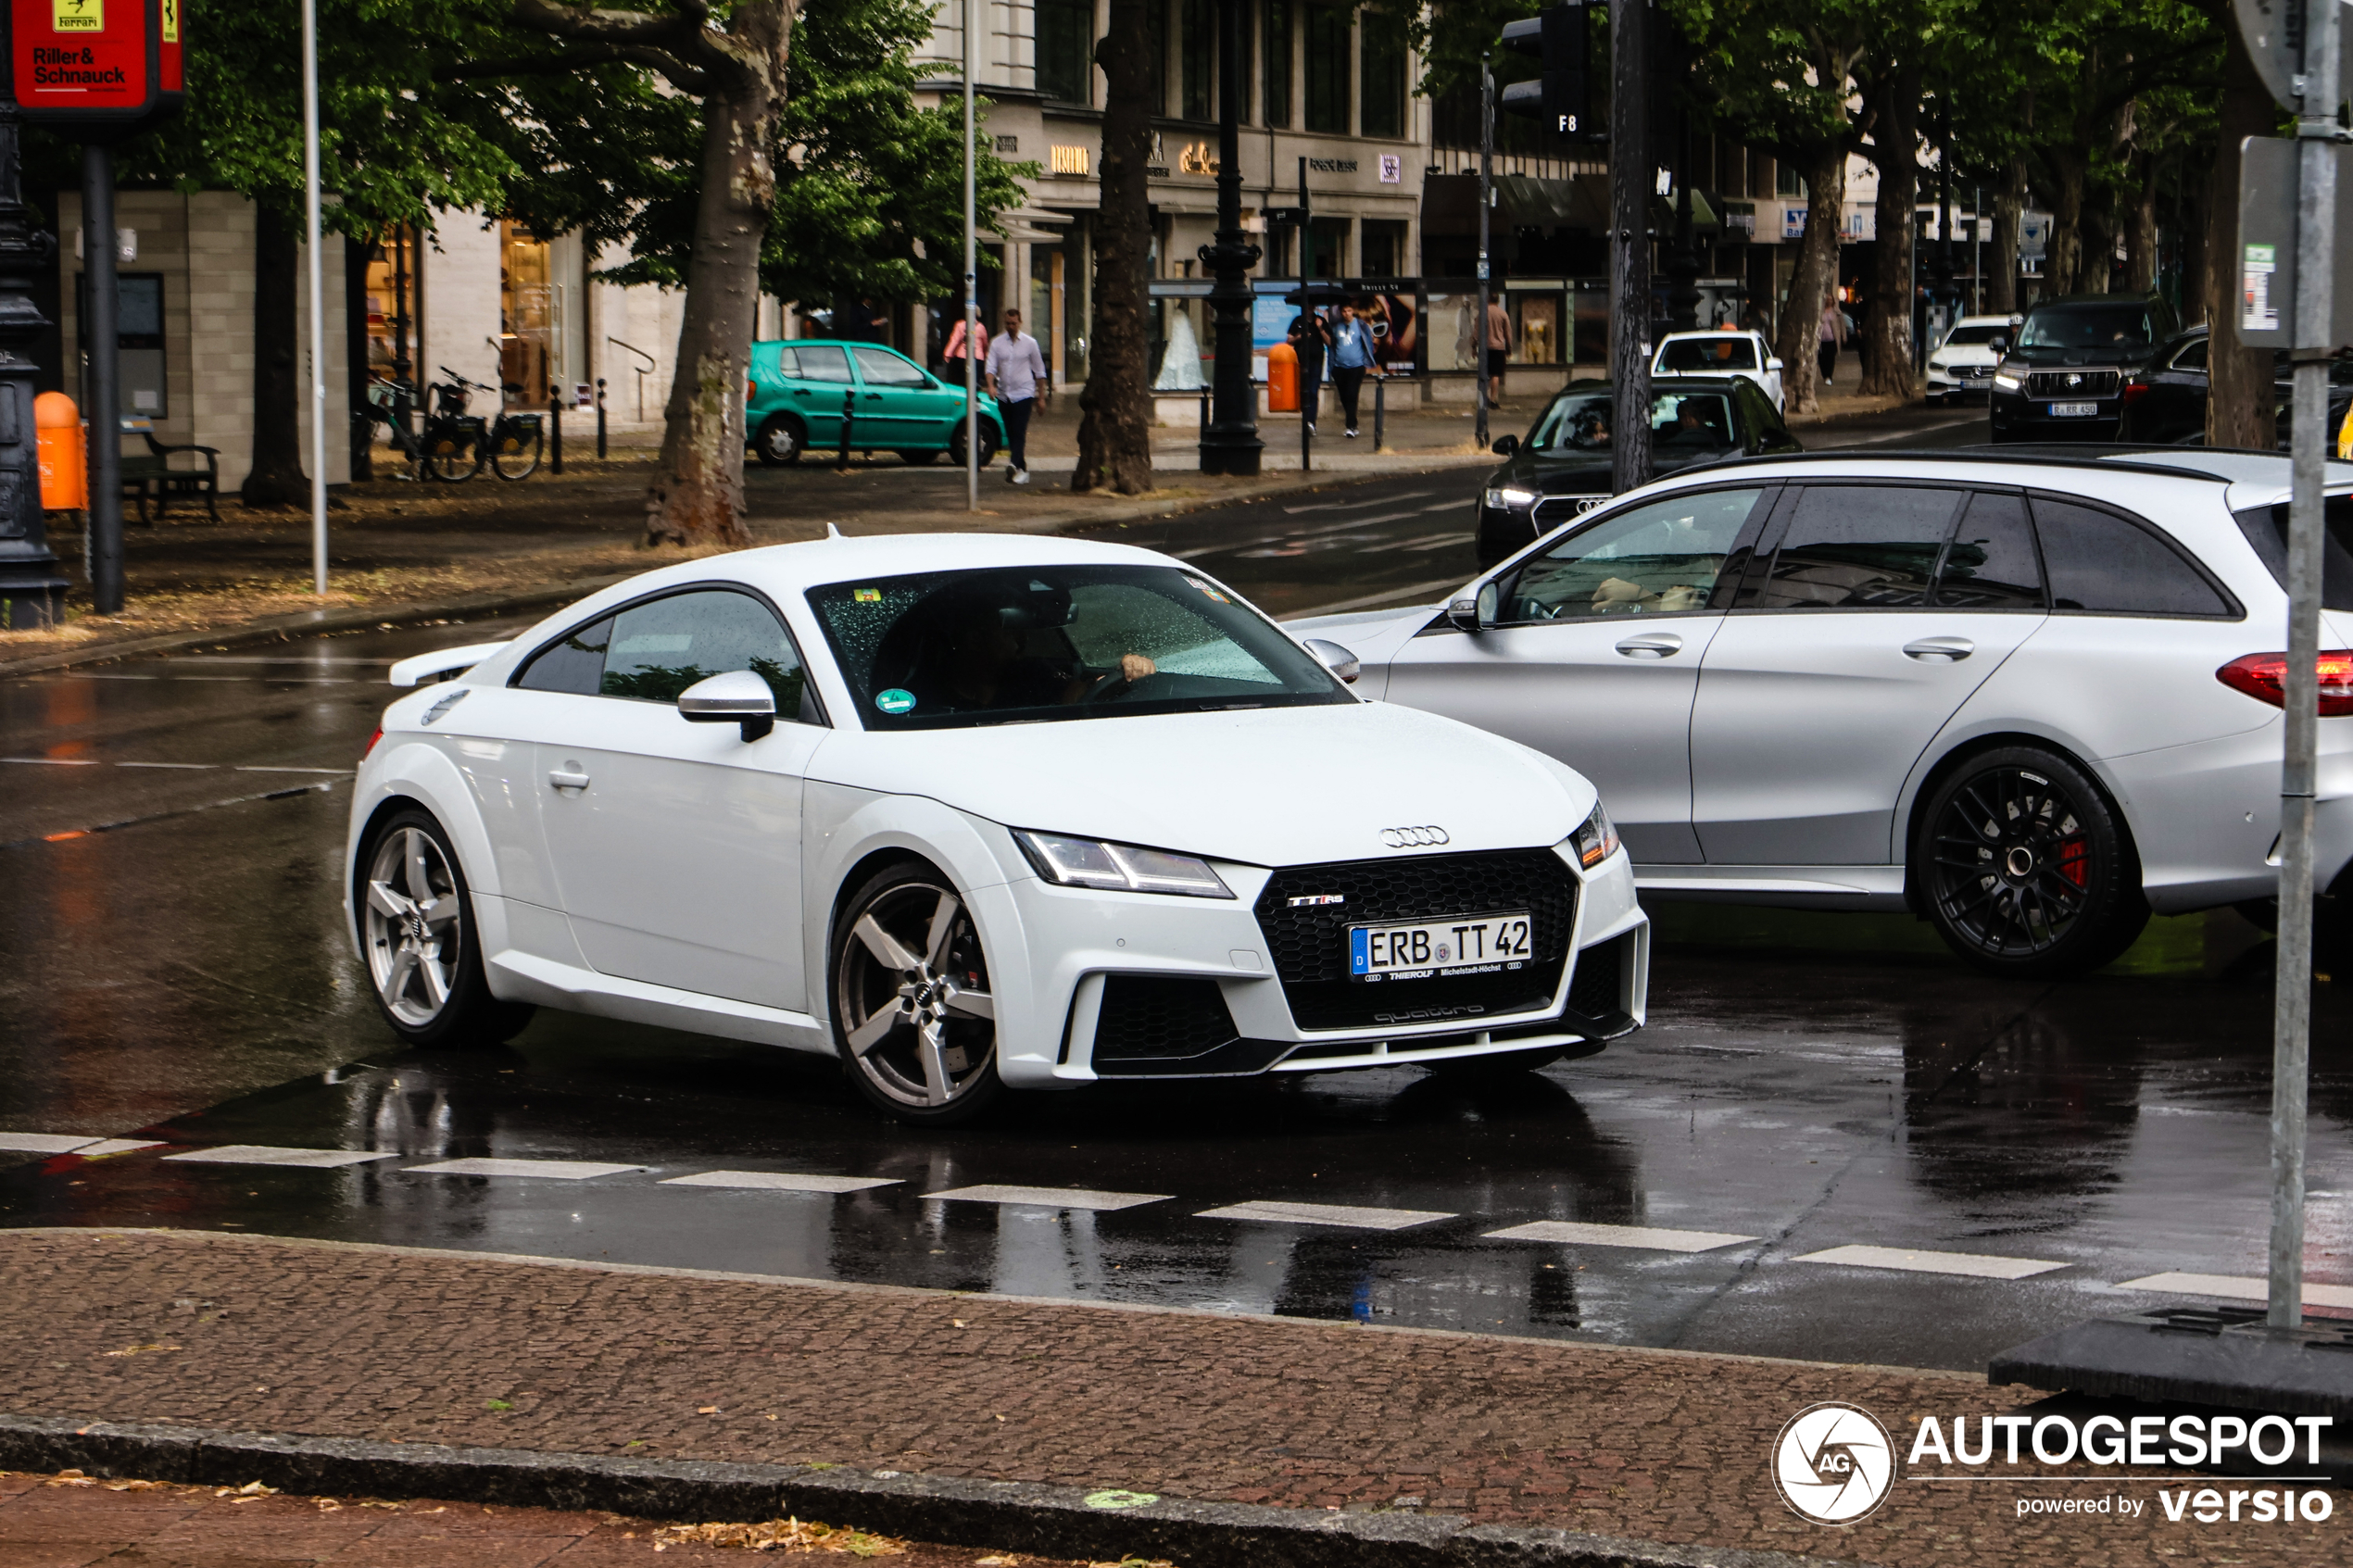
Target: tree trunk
<point>2240,406</point>
<point>1816,275</point>
<point>696,496</point>
<point>276,478</point>
<point>1887,370</point>
<point>2063,251</point>
<point>2140,230</point>
<point>2195,258</point>
<point>1114,425</point>
<point>2009,215</point>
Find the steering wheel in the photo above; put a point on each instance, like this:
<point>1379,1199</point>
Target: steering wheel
<point>1109,683</point>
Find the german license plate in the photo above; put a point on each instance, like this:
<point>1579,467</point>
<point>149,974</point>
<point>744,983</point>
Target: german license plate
<point>2074,410</point>
<point>1459,945</point>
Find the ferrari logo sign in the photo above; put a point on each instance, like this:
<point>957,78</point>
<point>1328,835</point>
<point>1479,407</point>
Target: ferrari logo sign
<point>78,16</point>
<point>171,21</point>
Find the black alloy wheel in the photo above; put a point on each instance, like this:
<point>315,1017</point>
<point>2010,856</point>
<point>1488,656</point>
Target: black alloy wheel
<point>912,1015</point>
<point>780,442</point>
<point>2025,868</point>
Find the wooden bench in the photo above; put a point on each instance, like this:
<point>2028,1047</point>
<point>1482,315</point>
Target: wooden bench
<point>152,478</point>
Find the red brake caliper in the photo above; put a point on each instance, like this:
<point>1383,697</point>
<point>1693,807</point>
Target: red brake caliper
<point>2075,860</point>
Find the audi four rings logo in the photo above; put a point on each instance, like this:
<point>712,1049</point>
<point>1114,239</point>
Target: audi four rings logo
<point>1413,839</point>
<point>1586,503</point>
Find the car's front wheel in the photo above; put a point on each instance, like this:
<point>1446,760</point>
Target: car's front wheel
<point>417,930</point>
<point>780,442</point>
<point>913,1017</point>
<point>2025,868</point>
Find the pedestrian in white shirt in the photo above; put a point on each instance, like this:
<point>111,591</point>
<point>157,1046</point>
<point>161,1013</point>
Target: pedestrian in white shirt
<point>1016,369</point>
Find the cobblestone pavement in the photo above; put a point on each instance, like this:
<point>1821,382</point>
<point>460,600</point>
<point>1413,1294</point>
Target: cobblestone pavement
<point>254,1335</point>
<point>69,1520</point>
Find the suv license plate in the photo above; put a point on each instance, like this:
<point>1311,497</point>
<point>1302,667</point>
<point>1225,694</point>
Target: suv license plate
<point>2074,410</point>
<point>1461,944</point>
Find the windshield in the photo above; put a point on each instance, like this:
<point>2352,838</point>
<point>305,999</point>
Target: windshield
<point>951,650</point>
<point>1580,421</point>
<point>1706,355</point>
<point>2104,326</point>
<point>1973,337</point>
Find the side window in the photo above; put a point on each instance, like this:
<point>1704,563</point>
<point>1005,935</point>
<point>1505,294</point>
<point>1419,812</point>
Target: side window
<point>821,361</point>
<point>1990,563</point>
<point>1654,559</point>
<point>665,646</point>
<point>574,664</point>
<point>882,369</point>
<point>2192,356</point>
<point>1857,547</point>
<point>788,363</point>
<point>2101,562</point>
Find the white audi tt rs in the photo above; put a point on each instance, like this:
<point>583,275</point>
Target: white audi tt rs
<point>975,814</point>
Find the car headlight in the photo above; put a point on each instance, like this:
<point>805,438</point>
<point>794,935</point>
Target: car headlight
<point>1597,840</point>
<point>1936,364</point>
<point>1509,499</point>
<point>2009,378</point>
<point>1129,868</point>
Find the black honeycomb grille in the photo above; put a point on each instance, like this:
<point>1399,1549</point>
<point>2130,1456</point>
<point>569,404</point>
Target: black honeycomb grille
<point>1309,944</point>
<point>1146,1019</point>
<point>1598,982</point>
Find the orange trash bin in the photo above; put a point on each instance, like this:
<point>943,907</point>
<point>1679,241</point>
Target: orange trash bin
<point>64,454</point>
<point>1282,380</point>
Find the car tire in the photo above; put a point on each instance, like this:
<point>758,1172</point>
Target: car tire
<point>988,443</point>
<point>424,968</point>
<point>912,1018</point>
<point>1498,1064</point>
<point>2025,868</point>
<point>781,440</point>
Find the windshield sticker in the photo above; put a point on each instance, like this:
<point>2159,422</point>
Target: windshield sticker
<point>1208,591</point>
<point>866,595</point>
<point>898,699</point>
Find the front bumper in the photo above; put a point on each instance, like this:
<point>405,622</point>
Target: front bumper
<point>1136,987</point>
<point>1964,381</point>
<point>2016,417</point>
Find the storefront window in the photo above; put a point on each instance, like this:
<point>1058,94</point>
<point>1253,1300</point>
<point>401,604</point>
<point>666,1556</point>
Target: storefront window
<point>1066,49</point>
<point>1384,248</point>
<point>1327,51</point>
<point>1536,328</point>
<point>528,310</point>
<point>1384,71</point>
<point>392,303</point>
<point>1278,63</point>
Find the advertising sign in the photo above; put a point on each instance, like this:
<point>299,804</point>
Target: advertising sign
<point>96,63</point>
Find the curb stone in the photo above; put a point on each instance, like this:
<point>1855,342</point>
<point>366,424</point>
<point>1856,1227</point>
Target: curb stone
<point>310,623</point>
<point>1009,1516</point>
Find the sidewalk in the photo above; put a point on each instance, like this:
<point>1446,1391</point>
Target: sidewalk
<point>881,1392</point>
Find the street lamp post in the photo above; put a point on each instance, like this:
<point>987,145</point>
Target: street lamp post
<point>32,589</point>
<point>1231,444</point>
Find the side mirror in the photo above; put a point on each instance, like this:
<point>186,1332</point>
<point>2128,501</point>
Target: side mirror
<point>1476,613</point>
<point>1488,596</point>
<point>1773,364</point>
<point>1505,445</point>
<point>735,697</point>
<point>1336,658</point>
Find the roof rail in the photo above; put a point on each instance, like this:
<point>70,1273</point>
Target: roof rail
<point>2023,455</point>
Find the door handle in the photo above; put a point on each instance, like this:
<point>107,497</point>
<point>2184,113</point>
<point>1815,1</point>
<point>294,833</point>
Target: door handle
<point>564,777</point>
<point>1947,650</point>
<point>1651,644</point>
<point>874,397</point>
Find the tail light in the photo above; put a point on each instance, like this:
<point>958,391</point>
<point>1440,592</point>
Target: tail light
<point>751,389</point>
<point>2263,676</point>
<point>369,750</point>
<point>2134,388</point>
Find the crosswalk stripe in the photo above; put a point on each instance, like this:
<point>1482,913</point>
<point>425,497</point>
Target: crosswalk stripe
<point>1912,1260</point>
<point>45,1142</point>
<point>262,1154</point>
<point>2233,1288</point>
<point>1647,1236</point>
<point>1048,1197</point>
<point>779,1181</point>
<point>557,1170</point>
<point>1352,1216</point>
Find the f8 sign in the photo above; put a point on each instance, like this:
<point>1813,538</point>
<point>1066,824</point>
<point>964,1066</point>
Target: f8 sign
<point>95,63</point>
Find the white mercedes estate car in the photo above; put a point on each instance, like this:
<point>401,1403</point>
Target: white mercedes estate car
<point>2030,697</point>
<point>974,814</point>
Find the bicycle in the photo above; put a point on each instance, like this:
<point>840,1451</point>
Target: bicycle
<point>449,448</point>
<point>514,440</point>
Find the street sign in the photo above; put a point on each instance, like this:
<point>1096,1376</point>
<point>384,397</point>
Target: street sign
<point>1280,217</point>
<point>2274,31</point>
<point>93,64</point>
<point>2266,256</point>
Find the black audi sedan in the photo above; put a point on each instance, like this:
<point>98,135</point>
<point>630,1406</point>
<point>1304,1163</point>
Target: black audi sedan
<point>1562,467</point>
<point>2165,403</point>
<point>2063,379</point>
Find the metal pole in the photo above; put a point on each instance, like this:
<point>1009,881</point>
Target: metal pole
<point>1380,412</point>
<point>600,417</point>
<point>1486,201</point>
<point>1311,387</point>
<point>555,431</point>
<point>2316,129</point>
<point>104,415</point>
<point>1231,444</point>
<point>1629,248</point>
<point>318,298</point>
<point>972,277</point>
<point>32,588</point>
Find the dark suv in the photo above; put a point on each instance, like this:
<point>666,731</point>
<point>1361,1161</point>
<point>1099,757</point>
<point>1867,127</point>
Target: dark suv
<point>2063,377</point>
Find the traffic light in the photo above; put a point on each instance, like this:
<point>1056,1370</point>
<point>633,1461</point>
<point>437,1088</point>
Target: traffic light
<point>1560,97</point>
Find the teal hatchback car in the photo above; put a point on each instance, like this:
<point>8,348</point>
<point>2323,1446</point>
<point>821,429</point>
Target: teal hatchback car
<point>799,391</point>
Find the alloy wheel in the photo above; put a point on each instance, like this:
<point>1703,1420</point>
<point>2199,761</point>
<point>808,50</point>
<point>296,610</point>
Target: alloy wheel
<point>414,916</point>
<point>911,992</point>
<point>2013,862</point>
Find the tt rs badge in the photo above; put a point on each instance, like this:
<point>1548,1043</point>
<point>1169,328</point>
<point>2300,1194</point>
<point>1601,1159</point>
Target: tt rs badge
<point>1313,899</point>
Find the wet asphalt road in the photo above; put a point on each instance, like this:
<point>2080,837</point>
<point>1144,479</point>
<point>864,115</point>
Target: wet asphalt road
<point>1807,1083</point>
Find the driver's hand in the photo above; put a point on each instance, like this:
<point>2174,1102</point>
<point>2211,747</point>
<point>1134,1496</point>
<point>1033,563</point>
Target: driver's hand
<point>1134,667</point>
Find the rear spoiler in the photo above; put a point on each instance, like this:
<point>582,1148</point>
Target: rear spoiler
<point>445,665</point>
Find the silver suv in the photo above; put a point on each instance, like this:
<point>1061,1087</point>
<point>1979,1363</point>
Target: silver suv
<point>2031,697</point>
